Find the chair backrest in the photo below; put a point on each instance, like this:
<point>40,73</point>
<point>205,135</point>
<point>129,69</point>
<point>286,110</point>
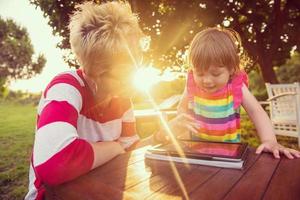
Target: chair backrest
<point>284,108</point>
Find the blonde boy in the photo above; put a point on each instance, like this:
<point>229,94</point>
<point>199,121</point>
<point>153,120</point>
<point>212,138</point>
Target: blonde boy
<point>85,117</point>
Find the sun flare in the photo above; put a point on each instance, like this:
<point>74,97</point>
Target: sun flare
<point>146,77</point>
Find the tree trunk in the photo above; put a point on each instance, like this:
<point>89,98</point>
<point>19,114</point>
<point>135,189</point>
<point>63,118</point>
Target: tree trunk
<point>134,6</point>
<point>267,70</point>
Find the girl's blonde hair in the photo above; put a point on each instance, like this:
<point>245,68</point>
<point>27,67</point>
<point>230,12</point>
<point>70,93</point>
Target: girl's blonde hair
<point>216,46</point>
<point>100,32</point>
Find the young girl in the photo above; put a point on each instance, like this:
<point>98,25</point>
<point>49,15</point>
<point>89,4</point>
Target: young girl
<point>216,88</point>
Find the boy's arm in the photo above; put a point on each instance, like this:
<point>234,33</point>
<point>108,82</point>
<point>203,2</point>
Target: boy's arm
<point>105,151</point>
<point>264,127</point>
<point>59,155</point>
<point>129,138</point>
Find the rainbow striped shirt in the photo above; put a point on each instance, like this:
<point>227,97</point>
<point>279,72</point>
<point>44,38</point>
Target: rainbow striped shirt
<point>218,114</point>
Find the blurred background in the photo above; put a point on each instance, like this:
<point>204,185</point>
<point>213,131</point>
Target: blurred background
<point>34,48</point>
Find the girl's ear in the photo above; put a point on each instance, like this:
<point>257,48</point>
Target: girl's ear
<point>232,71</point>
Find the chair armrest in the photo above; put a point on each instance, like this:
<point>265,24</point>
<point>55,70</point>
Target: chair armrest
<point>262,103</point>
<point>282,95</point>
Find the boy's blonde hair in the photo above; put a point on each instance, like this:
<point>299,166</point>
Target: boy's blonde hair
<point>216,46</point>
<point>100,32</point>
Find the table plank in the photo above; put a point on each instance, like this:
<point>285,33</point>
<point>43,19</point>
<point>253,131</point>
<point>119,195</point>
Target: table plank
<point>286,181</point>
<point>126,178</point>
<point>122,161</point>
<point>100,182</point>
<point>161,171</point>
<point>254,183</point>
<point>218,186</point>
<point>163,183</point>
<point>191,181</point>
<point>84,190</point>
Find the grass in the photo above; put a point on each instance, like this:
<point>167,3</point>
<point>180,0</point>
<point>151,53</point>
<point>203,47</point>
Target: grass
<point>17,124</point>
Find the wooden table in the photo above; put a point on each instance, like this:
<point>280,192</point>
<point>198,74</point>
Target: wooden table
<point>130,176</point>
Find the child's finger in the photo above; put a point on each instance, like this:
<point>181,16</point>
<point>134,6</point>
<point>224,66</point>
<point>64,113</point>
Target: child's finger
<point>276,153</point>
<point>192,128</point>
<point>260,149</point>
<point>295,153</point>
<point>187,117</point>
<point>195,125</point>
<point>287,154</point>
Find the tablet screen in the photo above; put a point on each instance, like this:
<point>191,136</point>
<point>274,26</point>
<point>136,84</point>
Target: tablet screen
<point>198,148</point>
<point>208,148</point>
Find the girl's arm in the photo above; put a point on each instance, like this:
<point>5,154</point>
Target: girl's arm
<point>258,116</point>
<point>183,103</point>
<point>181,124</point>
<point>264,127</point>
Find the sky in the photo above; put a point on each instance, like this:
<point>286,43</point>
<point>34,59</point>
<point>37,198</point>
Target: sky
<point>40,33</point>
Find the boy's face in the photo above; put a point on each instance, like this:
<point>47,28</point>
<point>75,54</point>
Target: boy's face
<point>212,79</point>
<point>118,80</point>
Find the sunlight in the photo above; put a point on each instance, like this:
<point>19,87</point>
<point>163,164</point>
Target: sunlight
<point>174,141</point>
<point>179,181</point>
<point>146,77</point>
<point>168,75</point>
<point>166,127</point>
<point>179,34</point>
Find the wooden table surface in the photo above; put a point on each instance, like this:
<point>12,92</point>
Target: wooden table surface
<point>131,176</point>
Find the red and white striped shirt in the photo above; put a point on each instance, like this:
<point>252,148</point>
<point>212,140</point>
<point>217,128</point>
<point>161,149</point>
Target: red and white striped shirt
<point>68,119</point>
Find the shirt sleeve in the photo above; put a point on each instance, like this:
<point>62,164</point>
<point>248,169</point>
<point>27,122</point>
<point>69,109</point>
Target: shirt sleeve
<point>59,155</point>
<point>238,81</point>
<point>129,134</point>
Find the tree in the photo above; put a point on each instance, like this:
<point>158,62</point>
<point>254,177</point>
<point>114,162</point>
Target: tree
<point>269,31</point>
<point>290,71</point>
<point>268,28</point>
<point>16,55</point>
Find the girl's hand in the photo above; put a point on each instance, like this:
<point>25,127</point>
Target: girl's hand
<point>276,149</point>
<point>183,123</point>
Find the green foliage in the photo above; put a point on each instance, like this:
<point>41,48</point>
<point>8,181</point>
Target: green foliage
<point>269,29</point>
<point>22,98</point>
<point>257,85</point>
<point>165,89</point>
<point>290,71</point>
<point>3,89</point>
<point>16,55</point>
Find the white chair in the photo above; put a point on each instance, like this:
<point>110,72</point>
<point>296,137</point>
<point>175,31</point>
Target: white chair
<point>284,102</point>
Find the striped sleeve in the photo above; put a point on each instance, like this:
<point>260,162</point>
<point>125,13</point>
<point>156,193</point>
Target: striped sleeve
<point>129,135</point>
<point>59,155</point>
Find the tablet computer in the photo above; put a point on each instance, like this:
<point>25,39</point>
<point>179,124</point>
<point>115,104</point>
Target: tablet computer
<point>204,150</point>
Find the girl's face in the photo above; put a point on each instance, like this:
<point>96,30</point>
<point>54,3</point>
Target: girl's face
<point>212,79</point>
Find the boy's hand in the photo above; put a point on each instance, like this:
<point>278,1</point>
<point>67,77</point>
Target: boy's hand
<point>276,149</point>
